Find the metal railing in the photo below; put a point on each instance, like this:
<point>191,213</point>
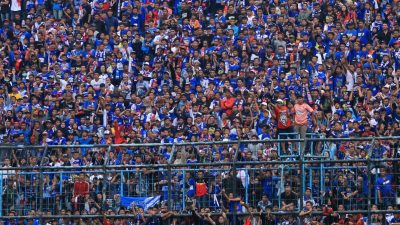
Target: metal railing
<point>38,187</point>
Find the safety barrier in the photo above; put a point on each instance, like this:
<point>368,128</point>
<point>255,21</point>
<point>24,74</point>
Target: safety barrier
<point>249,170</point>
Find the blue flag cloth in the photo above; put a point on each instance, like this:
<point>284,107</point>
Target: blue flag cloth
<point>143,202</point>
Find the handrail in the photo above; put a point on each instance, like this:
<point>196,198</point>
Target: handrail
<point>130,216</point>
<point>10,146</point>
<point>239,163</point>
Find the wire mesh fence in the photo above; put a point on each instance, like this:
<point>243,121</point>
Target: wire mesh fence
<point>243,180</point>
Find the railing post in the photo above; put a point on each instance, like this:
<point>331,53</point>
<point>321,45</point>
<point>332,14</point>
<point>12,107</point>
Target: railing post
<point>246,186</point>
<point>279,146</point>
<point>104,189</point>
<point>44,155</point>
<point>281,185</point>
<point>61,189</point>
<point>1,197</point>
<point>303,177</point>
<point>234,169</point>
<point>321,181</point>
<point>41,187</point>
<point>184,190</point>
<point>311,177</point>
<point>169,177</point>
<point>369,188</point>
<point>121,184</point>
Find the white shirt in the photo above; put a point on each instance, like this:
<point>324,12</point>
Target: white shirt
<point>110,87</point>
<point>96,84</point>
<point>15,6</point>
<point>350,78</point>
<point>6,173</point>
<point>243,176</point>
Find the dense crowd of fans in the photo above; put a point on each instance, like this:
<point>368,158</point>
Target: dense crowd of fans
<point>122,72</point>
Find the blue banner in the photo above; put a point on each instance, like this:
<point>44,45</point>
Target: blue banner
<point>143,202</point>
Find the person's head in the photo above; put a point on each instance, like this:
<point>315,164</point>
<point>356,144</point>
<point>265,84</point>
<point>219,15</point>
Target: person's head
<point>383,172</point>
<point>200,174</point>
<point>307,192</point>
<point>288,188</point>
<point>280,103</point>
<point>264,198</point>
<point>309,205</point>
<point>153,211</point>
<point>82,176</point>
<point>228,94</point>
<point>300,99</point>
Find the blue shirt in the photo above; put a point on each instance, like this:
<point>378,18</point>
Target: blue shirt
<point>384,185</point>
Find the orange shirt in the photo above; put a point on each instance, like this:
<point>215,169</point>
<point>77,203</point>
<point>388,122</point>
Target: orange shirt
<point>301,113</point>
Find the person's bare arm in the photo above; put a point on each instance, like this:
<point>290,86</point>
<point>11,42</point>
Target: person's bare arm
<point>235,199</point>
<point>247,208</point>
<point>224,194</point>
<point>303,213</point>
<point>166,215</point>
<point>209,219</point>
<point>193,208</point>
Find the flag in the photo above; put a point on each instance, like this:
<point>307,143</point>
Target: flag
<point>143,202</point>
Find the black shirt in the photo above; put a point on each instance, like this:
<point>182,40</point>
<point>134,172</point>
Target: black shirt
<point>289,198</point>
<point>154,220</point>
<point>267,220</point>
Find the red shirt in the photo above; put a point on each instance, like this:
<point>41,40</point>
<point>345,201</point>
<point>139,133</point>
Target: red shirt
<point>81,188</point>
<point>227,105</point>
<point>118,129</point>
<point>201,189</point>
<point>282,115</point>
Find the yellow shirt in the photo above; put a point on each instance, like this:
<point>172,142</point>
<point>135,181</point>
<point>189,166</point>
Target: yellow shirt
<point>16,95</point>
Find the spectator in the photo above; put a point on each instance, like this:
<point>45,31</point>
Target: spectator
<point>288,199</point>
<point>384,188</point>
<point>81,189</point>
<point>201,190</point>
<point>282,115</point>
<point>264,203</point>
<point>301,118</point>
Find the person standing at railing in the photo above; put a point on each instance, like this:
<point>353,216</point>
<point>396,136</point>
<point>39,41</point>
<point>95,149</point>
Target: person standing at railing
<point>301,113</point>
<point>9,195</point>
<point>201,190</point>
<point>232,185</point>
<point>384,186</point>
<point>269,181</point>
<point>282,115</point>
<point>81,189</point>
<point>215,193</point>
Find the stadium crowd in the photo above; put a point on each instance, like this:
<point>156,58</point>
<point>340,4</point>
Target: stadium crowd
<point>173,71</point>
